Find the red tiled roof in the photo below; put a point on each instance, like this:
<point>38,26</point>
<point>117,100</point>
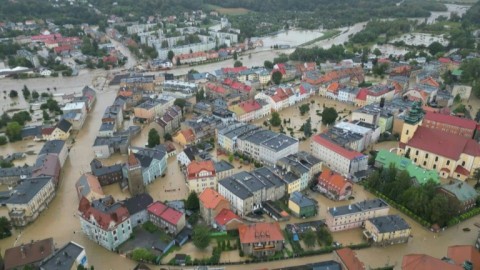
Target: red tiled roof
<point>103,219</point>
<point>463,253</point>
<point>63,48</point>
<point>250,106</point>
<point>225,216</point>
<point>349,259</point>
<point>434,141</point>
<point>32,253</point>
<point>48,131</point>
<point>132,160</point>
<point>426,262</point>
<point>451,120</point>
<point>333,87</point>
<point>157,208</point>
<point>260,232</point>
<point>210,198</point>
<point>349,154</point>
<point>461,170</point>
<point>362,94</point>
<point>333,180</point>
<point>171,216</point>
<point>166,213</point>
<point>444,60</point>
<point>188,134</point>
<point>234,69</point>
<point>195,167</point>
<point>430,81</point>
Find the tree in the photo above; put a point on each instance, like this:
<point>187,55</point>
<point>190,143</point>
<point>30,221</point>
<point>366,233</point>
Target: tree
<point>21,117</point>
<point>46,116</point>
<point>167,137</point>
<point>25,92</point>
<point>235,56</point>
<point>275,119</point>
<point>180,102</point>
<point>143,255</point>
<point>14,131</point>
<point>13,94</point>
<point>200,95</point>
<point>3,140</point>
<point>277,77</point>
<point>307,128</point>
<point>304,108</point>
<point>377,52</point>
<point>329,115</point>
<point>435,47</point>
<point>237,64</point>
<point>268,64</point>
<point>35,94</point>
<point>201,236</point>
<point>170,55</point>
<point>309,238</point>
<point>153,138</point>
<point>476,176</point>
<point>192,203</point>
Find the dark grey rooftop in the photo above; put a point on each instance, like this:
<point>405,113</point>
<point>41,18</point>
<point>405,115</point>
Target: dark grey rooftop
<point>116,140</point>
<point>358,207</point>
<point>147,155</point>
<point>279,142</point>
<point>222,165</point>
<point>391,223</point>
<point>107,126</point>
<point>98,169</point>
<point>62,259</point>
<point>138,203</point>
<point>236,130</point>
<point>52,147</point>
<point>26,190</point>
<point>31,131</point>
<point>64,125</point>
<point>16,171</point>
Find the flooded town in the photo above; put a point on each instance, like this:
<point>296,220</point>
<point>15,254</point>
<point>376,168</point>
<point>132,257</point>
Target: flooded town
<point>180,142</point>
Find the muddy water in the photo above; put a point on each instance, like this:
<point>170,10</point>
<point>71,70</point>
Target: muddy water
<point>59,221</point>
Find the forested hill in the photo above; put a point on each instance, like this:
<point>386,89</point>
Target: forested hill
<point>473,15</point>
<point>375,8</point>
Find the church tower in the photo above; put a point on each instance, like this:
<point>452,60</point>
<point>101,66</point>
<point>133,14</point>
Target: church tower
<point>134,175</point>
<point>411,122</point>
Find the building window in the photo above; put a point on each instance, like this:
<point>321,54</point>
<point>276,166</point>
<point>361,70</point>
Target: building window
<point>436,158</point>
<point>424,163</point>
<point>426,155</point>
<point>448,162</point>
<point>463,163</point>
<point>407,131</point>
<point>416,153</point>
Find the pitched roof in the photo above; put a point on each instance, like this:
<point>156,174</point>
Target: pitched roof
<point>434,141</point>
<point>88,183</point>
<point>333,179</point>
<point>462,191</point>
<point>104,211</point>
<point>349,259</point>
<point>225,216</point>
<point>260,232</point>
<point>451,120</point>
<point>349,154</point>
<point>132,160</point>
<point>188,134</point>
<point>63,258</point>
<point>166,213</point>
<point>461,253</point>
<point>210,198</point>
<point>26,254</point>
<point>362,94</point>
<point>138,203</point>
<point>195,167</point>
<point>64,125</point>
<point>426,262</point>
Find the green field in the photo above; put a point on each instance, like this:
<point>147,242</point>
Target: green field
<point>328,34</point>
<point>228,11</point>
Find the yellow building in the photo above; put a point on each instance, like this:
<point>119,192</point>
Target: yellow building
<point>184,137</point>
<point>387,230</point>
<point>60,132</point>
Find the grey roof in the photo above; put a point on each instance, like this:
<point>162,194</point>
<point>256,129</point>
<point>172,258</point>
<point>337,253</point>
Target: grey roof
<point>111,141</point>
<point>298,163</point>
<point>111,111</point>
<point>107,126</point>
<point>149,104</point>
<point>391,223</point>
<point>63,258</point>
<point>244,184</point>
<point>147,155</point>
<point>138,203</point>
<point>236,130</point>
<point>327,265</point>
<point>98,169</point>
<point>52,147</point>
<point>191,152</point>
<point>272,140</point>
<point>16,171</point>
<point>301,200</point>
<point>358,207</point>
<point>26,190</point>
<point>341,136</point>
<point>462,191</point>
<point>64,125</point>
<point>222,165</point>
<point>31,131</point>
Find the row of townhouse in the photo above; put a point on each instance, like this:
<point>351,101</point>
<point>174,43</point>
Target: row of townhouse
<point>152,108</point>
<point>34,188</point>
<point>351,76</point>
<point>197,129</point>
<point>284,96</point>
<point>169,122</point>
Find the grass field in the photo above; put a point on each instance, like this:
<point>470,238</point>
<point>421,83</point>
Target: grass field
<point>228,11</point>
<point>328,34</point>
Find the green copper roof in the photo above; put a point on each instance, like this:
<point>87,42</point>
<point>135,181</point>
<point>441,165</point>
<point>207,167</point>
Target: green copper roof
<point>386,158</point>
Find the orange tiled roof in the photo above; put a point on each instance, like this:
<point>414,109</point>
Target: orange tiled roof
<point>260,232</point>
<point>426,262</point>
<point>349,259</point>
<point>332,179</point>
<point>210,198</point>
<point>195,167</point>
<point>462,253</point>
